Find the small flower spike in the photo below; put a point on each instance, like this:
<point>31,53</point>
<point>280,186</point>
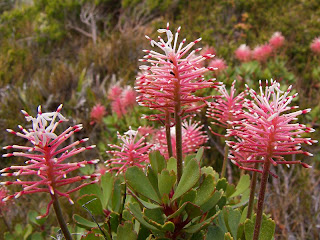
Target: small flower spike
<point>131,152</point>
<point>192,137</point>
<point>47,155</point>
<point>268,133</point>
<point>262,53</point>
<point>276,40</point>
<point>97,113</point>
<point>243,53</point>
<point>227,109</point>
<point>172,77</point>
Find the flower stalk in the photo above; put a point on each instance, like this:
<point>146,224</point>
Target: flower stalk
<point>168,134</point>
<point>263,187</point>
<point>61,221</point>
<point>253,185</point>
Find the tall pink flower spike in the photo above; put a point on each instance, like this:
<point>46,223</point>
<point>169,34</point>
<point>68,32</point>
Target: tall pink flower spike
<point>47,156</point>
<point>173,74</point>
<point>192,137</point>
<point>227,109</point>
<point>97,113</point>
<point>267,133</point>
<point>131,152</point>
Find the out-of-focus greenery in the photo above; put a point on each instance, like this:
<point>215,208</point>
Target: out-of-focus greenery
<point>71,51</point>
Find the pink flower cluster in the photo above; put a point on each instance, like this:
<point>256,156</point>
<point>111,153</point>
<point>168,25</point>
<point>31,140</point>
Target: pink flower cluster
<point>267,132</point>
<point>227,109</point>
<point>122,99</point>
<point>131,152</point>
<point>218,64</point>
<point>315,45</point>
<point>46,157</point>
<point>260,53</point>
<point>97,113</point>
<point>172,77</point>
<point>192,137</point>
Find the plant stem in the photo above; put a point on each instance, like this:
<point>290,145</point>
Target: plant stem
<point>263,186</point>
<point>225,160</point>
<point>168,134</point>
<point>177,116</point>
<point>62,223</point>
<point>252,192</point>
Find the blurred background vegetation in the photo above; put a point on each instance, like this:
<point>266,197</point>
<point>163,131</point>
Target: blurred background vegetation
<point>72,51</point>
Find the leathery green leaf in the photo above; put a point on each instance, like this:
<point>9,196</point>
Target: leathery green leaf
<point>234,217</point>
<point>106,185</point>
<point>125,232</point>
<point>84,223</point>
<point>197,227</point>
<point>212,201</point>
<point>92,203</point>
<point>205,191</point>
<point>157,161</point>
<point>190,176</point>
<point>200,154</point>
<point>172,165</point>
<point>140,183</point>
<point>227,236</point>
<point>136,212</point>
<point>242,186</point>
<point>266,231</point>
<point>166,180</point>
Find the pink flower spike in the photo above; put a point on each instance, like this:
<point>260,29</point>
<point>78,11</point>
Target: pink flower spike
<point>171,76</point>
<point>97,113</point>
<point>268,131</point>
<point>243,53</point>
<point>315,45</point>
<point>3,203</point>
<point>227,109</point>
<point>219,64</point>
<point>129,97</point>
<point>47,156</point>
<point>276,40</point>
<point>192,137</point>
<point>131,152</point>
<point>262,53</point>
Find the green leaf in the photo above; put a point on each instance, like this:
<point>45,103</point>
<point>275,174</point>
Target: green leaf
<point>188,197</point>
<point>125,232</point>
<point>91,189</point>
<point>266,231</point>
<point>140,183</point>
<point>157,161</point>
<point>215,233</point>
<point>27,231</point>
<point>32,215</point>
<point>147,204</point>
<point>212,201</point>
<point>234,217</point>
<point>227,236</point>
<point>116,195</point>
<point>200,154</point>
<point>190,176</point>
<point>209,170</point>
<point>37,236</point>
<point>136,212</point>
<point>155,215</point>
<point>106,183</point>
<point>222,184</point>
<point>92,236</point>
<point>82,222</point>
<point>193,210</point>
<point>172,165</point>
<point>205,191</point>
<point>188,158</point>
<point>166,181</point>
<point>92,203</point>
<point>242,186</point>
<point>197,227</point>
<point>153,178</point>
